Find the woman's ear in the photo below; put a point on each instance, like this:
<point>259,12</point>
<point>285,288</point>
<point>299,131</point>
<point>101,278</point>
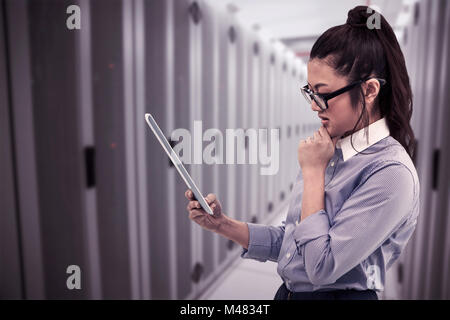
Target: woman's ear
<point>371,89</point>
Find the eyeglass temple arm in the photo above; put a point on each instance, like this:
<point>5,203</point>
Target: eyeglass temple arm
<point>342,90</point>
<point>350,86</point>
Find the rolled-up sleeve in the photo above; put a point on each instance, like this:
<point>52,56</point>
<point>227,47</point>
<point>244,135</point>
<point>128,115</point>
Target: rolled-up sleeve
<point>375,209</point>
<point>264,242</point>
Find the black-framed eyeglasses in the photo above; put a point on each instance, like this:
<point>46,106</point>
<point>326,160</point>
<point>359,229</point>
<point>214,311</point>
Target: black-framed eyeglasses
<point>322,99</point>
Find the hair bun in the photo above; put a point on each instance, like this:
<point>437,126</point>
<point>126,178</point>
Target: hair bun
<point>357,17</point>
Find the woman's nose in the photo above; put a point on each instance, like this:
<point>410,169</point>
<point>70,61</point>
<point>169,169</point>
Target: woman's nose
<point>314,106</point>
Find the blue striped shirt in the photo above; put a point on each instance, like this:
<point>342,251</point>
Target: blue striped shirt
<point>371,210</point>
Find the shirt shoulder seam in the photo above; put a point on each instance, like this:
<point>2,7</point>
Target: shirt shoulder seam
<point>383,164</point>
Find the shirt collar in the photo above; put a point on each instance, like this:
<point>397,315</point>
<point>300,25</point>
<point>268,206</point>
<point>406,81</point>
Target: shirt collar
<point>376,131</point>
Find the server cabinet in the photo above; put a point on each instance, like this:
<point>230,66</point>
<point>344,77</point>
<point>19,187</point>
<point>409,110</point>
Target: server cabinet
<point>56,136</point>
<point>293,119</point>
<point>422,268</point>
<point>446,260</point>
<point>280,70</point>
<point>229,54</point>
<point>222,97</point>
<point>415,281</point>
<point>223,123</point>
<point>253,101</point>
<point>22,126</point>
<point>163,222</point>
<point>187,68</point>
<point>46,122</point>
<point>256,124</point>
<point>209,116</point>
<point>180,38</point>
<point>429,30</point>
<point>271,110</point>
<point>239,35</point>
<point>278,60</point>
<point>92,275</point>
<point>283,125</point>
<point>286,116</point>
<point>10,273</point>
<point>247,116</point>
<point>113,109</point>
<point>299,111</point>
<point>430,90</point>
<point>264,135</point>
<point>438,97</point>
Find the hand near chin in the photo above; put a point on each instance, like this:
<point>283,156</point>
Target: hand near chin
<point>315,152</point>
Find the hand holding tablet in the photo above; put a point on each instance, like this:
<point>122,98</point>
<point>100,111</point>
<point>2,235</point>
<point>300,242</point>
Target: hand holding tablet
<point>198,215</point>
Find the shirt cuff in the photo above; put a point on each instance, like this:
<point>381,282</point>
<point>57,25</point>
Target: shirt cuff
<point>313,227</point>
<point>259,244</point>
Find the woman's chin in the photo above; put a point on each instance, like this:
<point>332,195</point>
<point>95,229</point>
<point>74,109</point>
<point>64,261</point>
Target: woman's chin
<point>329,129</point>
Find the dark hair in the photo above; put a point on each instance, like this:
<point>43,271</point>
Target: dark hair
<point>359,52</point>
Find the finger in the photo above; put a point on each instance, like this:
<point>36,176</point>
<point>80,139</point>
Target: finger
<point>189,194</point>
<point>316,136</point>
<point>324,133</point>
<point>214,207</point>
<point>319,132</point>
<point>193,205</point>
<point>196,213</point>
<point>210,198</point>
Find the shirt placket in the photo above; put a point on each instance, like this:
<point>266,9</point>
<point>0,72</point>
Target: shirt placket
<point>331,168</point>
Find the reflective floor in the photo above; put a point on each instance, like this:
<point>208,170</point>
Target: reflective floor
<point>248,279</point>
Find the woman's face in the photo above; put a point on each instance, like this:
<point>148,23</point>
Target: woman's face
<point>341,116</point>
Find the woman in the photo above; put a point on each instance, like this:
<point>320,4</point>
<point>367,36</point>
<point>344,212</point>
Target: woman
<point>356,197</point>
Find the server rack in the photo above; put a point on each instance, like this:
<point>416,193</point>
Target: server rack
<point>264,134</point>
<point>427,40</point>
<point>163,218</point>
<point>253,58</point>
<point>10,277</point>
<point>271,72</point>
<point>209,95</point>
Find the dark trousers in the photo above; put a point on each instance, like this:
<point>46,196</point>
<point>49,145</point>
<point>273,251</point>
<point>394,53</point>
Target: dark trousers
<point>284,294</point>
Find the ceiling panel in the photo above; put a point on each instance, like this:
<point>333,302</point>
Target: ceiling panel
<point>286,20</point>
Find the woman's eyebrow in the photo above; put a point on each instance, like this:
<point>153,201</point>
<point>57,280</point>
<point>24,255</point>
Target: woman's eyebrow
<point>318,85</point>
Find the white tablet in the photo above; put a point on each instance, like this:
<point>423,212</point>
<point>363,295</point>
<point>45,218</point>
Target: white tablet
<point>177,163</point>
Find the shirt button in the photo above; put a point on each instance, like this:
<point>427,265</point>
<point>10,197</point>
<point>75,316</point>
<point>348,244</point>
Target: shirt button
<point>332,164</point>
<point>296,223</point>
<point>288,255</point>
